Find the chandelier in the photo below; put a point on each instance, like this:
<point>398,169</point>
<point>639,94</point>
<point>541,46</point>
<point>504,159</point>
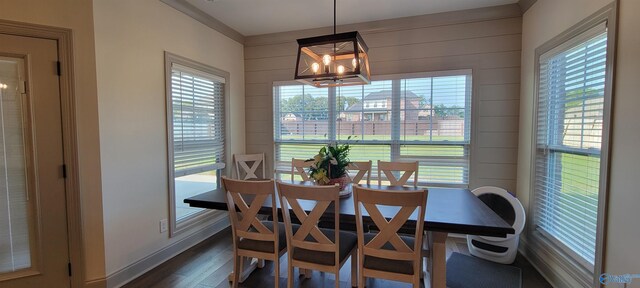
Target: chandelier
<point>333,60</point>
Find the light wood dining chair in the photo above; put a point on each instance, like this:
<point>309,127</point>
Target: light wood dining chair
<point>363,168</point>
<point>389,168</point>
<point>389,254</point>
<point>246,172</point>
<point>253,237</point>
<point>311,247</point>
<point>298,167</point>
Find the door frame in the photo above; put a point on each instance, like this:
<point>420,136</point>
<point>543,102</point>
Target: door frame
<point>64,39</point>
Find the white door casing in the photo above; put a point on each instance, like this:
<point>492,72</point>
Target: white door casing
<point>45,208</point>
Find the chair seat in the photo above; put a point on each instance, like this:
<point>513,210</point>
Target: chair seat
<point>348,241</point>
<point>267,246</point>
<point>389,265</point>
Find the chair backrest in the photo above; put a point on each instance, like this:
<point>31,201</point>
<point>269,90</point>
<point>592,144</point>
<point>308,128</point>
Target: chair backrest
<point>405,203</point>
<point>363,168</point>
<point>298,167</point>
<point>243,216</point>
<point>407,169</point>
<point>249,172</point>
<point>290,198</point>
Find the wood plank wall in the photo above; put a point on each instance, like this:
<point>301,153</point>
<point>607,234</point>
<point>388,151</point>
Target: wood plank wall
<point>487,40</point>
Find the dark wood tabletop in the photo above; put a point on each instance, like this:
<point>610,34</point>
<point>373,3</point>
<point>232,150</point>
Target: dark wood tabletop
<point>450,210</point>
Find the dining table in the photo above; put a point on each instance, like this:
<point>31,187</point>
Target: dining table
<point>449,210</point>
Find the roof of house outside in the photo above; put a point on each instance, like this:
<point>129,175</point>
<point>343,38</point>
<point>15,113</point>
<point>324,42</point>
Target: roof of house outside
<point>382,95</point>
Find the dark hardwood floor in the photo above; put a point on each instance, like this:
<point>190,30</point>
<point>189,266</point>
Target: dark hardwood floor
<point>209,263</point>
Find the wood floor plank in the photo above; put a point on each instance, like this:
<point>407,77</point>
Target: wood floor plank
<point>208,264</point>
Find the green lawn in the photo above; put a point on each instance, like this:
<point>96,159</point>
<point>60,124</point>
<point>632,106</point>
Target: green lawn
<point>429,171</point>
<point>578,203</point>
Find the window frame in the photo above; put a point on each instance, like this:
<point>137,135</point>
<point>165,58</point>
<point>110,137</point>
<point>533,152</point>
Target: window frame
<point>395,146</point>
<point>206,215</point>
<point>552,250</point>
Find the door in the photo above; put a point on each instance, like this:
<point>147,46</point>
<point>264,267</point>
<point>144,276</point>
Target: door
<point>33,215</point>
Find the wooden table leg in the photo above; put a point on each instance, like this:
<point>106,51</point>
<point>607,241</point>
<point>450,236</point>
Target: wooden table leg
<point>248,265</point>
<point>437,266</point>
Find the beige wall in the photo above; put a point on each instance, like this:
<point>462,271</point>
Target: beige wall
<point>131,37</point>
<point>78,16</point>
<point>485,40</point>
<point>545,20</point>
<point>623,231</point>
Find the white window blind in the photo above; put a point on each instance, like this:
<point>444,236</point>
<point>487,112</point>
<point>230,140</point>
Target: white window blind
<point>568,143</point>
<point>197,101</point>
<point>422,118</point>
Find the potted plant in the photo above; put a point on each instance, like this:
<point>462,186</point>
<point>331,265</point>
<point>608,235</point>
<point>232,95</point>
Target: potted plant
<point>330,165</point>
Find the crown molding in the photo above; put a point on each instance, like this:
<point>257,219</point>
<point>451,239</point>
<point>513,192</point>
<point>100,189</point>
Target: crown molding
<point>525,5</point>
<point>204,18</point>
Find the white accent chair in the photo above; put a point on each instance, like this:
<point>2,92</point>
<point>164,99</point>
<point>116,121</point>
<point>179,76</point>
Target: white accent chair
<point>498,249</point>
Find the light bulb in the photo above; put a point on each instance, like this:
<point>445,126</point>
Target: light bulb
<point>340,69</point>
<point>315,67</point>
<point>326,59</point>
<point>354,63</point>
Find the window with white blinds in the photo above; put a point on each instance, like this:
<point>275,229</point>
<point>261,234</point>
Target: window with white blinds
<point>568,143</point>
<point>197,102</point>
<point>423,118</point>
<point>196,126</point>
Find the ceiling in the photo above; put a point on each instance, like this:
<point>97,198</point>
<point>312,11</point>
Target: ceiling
<point>254,17</point>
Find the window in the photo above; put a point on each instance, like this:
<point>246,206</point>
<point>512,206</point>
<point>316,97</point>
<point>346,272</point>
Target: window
<point>422,117</point>
<point>196,134</point>
<point>569,144</point>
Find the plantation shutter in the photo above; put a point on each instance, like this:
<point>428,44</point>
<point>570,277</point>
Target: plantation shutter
<point>197,103</point>
<point>569,137</point>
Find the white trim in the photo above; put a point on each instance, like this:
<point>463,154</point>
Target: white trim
<point>553,257</point>
<point>136,269</point>
<point>426,74</point>
<point>96,283</point>
<point>569,44</point>
<point>539,259</point>
<point>171,61</point>
<point>204,18</point>
<point>210,76</point>
<point>525,5</point>
<point>64,37</point>
<point>399,76</point>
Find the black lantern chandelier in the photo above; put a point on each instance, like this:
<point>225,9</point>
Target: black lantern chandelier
<point>333,60</point>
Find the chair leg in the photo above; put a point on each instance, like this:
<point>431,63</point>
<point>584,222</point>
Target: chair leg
<point>337,284</point>
<point>276,271</point>
<point>290,274</point>
<point>354,269</point>
<point>237,267</point>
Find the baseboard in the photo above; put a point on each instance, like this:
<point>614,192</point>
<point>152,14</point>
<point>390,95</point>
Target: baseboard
<point>97,283</point>
<point>125,275</point>
<point>543,261</point>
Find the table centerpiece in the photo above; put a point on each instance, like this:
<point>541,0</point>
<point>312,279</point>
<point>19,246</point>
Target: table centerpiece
<point>330,165</point>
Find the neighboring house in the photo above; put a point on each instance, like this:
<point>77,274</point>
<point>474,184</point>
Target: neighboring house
<point>291,117</point>
<point>377,107</point>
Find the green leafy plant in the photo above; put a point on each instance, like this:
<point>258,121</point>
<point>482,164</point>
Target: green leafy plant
<point>330,163</point>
